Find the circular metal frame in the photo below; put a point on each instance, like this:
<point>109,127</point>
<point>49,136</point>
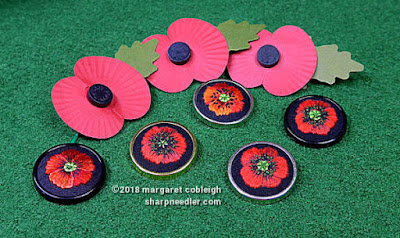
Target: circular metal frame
<point>223,123</point>
<point>272,198</point>
<point>174,172</point>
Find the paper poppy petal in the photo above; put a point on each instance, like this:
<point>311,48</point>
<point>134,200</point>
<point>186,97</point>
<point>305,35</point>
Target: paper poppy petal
<point>169,77</point>
<point>131,93</point>
<point>297,62</point>
<point>296,65</point>
<point>209,49</point>
<point>243,66</point>
<point>73,107</point>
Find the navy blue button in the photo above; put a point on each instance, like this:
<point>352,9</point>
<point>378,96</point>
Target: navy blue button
<point>69,173</point>
<point>179,53</point>
<point>268,56</point>
<point>99,95</point>
<point>315,121</point>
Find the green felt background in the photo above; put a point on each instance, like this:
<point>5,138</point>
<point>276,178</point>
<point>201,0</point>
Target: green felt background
<point>350,189</point>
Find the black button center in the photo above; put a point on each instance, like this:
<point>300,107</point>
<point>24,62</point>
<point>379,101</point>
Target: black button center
<point>179,53</point>
<point>268,56</point>
<point>99,95</point>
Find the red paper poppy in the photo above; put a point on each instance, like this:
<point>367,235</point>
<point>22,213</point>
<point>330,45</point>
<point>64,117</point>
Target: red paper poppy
<point>130,96</point>
<point>223,99</point>
<point>263,167</point>
<point>314,116</point>
<point>163,145</point>
<point>69,168</point>
<point>297,60</point>
<point>209,55</point>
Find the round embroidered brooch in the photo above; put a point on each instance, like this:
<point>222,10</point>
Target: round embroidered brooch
<point>315,121</point>
<point>69,173</point>
<point>223,102</point>
<point>163,149</point>
<point>262,171</point>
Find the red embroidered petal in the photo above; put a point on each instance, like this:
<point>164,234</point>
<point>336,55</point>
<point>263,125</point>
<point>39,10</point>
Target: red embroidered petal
<point>321,130</point>
<point>69,154</point>
<point>303,106</point>
<point>81,177</point>
<point>62,179</point>
<point>84,162</point>
<point>249,155</point>
<point>250,178</point>
<point>281,167</point>
<point>299,119</point>
<point>269,151</point>
<point>180,147</point>
<point>273,182</point>
<point>73,107</point>
<point>55,163</point>
<point>169,77</point>
<point>177,152</point>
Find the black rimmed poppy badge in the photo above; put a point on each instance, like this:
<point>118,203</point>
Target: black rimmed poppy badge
<point>69,173</point>
<point>163,149</point>
<point>223,102</point>
<point>315,121</point>
<point>262,171</point>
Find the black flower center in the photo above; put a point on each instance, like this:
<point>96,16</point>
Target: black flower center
<point>99,95</point>
<point>179,53</point>
<point>268,56</point>
<point>263,165</point>
<point>163,143</point>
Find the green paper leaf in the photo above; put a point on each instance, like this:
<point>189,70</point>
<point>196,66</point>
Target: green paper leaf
<point>239,35</point>
<point>333,64</point>
<point>140,56</point>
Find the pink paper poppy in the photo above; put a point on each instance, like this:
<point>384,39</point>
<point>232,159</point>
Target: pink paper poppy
<point>103,93</point>
<point>283,62</point>
<point>193,49</point>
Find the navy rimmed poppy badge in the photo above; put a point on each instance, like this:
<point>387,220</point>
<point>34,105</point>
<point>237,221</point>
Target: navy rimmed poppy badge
<point>163,149</point>
<point>262,171</point>
<point>223,102</point>
<point>315,121</point>
<point>69,173</point>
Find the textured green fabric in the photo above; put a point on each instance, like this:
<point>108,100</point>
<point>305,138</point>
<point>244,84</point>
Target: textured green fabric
<point>350,189</point>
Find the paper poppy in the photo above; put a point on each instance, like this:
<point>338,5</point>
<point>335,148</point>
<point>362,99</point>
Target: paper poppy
<point>163,145</point>
<point>103,93</point>
<point>263,167</point>
<point>69,168</point>
<point>193,49</point>
<point>283,61</point>
<point>316,117</point>
<point>223,99</point>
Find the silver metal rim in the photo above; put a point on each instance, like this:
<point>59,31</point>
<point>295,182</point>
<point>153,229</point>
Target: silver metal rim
<point>264,198</point>
<point>224,123</point>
